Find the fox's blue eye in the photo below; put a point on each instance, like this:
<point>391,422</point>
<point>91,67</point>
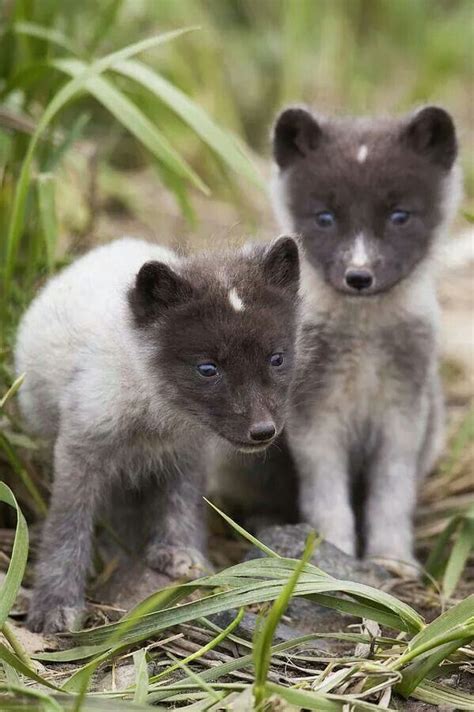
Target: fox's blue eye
<point>276,360</point>
<point>399,217</point>
<point>208,370</point>
<point>325,218</point>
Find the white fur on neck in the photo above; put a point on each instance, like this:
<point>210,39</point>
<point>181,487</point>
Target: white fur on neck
<point>278,194</point>
<point>414,296</point>
<point>451,198</point>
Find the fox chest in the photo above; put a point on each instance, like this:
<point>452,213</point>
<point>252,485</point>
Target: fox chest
<point>361,376</point>
<point>353,386</point>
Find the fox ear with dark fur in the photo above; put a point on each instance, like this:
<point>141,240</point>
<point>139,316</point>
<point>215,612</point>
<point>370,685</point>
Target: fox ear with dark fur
<point>296,133</point>
<point>431,132</point>
<point>281,264</point>
<point>157,287</point>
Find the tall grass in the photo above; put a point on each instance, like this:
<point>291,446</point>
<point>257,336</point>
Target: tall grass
<point>34,97</point>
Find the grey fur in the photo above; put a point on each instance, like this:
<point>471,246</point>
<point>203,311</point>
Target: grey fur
<point>110,348</point>
<point>366,422</point>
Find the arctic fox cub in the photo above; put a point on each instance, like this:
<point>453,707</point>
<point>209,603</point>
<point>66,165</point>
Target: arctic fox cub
<point>135,358</point>
<point>371,200</point>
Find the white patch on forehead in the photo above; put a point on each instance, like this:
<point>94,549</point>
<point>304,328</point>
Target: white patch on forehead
<point>235,301</point>
<point>362,153</point>
<point>359,256</point>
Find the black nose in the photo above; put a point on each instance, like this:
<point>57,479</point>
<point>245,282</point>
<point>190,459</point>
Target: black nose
<point>260,432</point>
<point>359,279</point>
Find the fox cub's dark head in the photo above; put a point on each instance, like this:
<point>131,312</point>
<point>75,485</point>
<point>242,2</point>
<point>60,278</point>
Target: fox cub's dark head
<point>222,334</point>
<point>367,196</point>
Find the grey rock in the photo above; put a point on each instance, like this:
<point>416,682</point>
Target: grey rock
<point>130,583</point>
<point>246,628</point>
<point>122,677</point>
<point>289,541</point>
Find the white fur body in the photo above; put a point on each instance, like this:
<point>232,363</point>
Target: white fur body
<point>110,351</point>
<point>363,401</point>
<point>80,324</point>
<point>365,398</point>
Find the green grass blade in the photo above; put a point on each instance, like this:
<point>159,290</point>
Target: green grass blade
<point>205,648</point>
<point>381,606</point>
<point>240,530</point>
<point>197,679</point>
<point>106,22</point>
<point>226,668</point>
<point>80,678</point>
<point>157,601</point>
<point>16,568</point>
<point>360,609</point>
<point>16,385</point>
<point>141,676</point>
<point>11,675</point>
<point>15,662</point>
<point>63,96</point>
<point>109,60</point>
<point>49,34</point>
<point>437,559</point>
<point>460,615</point>
<point>317,701</point>
<point>464,436</point>
<point>263,637</point>
<point>22,694</point>
<point>223,143</point>
<point>72,135</point>
<point>46,185</point>
<point>462,547</point>
<point>436,694</point>
<point>133,119</point>
<point>59,702</point>
<point>15,644</point>
<point>415,673</point>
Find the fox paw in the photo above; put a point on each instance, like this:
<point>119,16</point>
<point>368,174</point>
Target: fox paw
<point>177,562</point>
<point>408,568</point>
<point>55,619</point>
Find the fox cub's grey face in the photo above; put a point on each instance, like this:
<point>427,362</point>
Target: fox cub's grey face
<point>366,196</point>
<point>225,338</point>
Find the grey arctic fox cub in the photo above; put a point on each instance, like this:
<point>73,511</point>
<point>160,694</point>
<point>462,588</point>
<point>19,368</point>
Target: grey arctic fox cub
<point>135,358</point>
<point>371,200</point>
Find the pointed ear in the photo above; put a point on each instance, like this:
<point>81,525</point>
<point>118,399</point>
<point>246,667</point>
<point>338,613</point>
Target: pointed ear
<point>431,132</point>
<point>281,264</point>
<point>296,133</point>
<point>157,287</point>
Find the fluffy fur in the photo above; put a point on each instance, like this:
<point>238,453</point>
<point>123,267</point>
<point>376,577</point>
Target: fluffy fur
<point>112,350</point>
<point>367,416</point>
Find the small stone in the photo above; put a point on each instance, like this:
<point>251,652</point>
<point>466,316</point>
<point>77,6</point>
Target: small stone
<point>130,584</point>
<point>306,616</point>
<point>289,541</point>
<point>122,677</point>
<point>246,628</point>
